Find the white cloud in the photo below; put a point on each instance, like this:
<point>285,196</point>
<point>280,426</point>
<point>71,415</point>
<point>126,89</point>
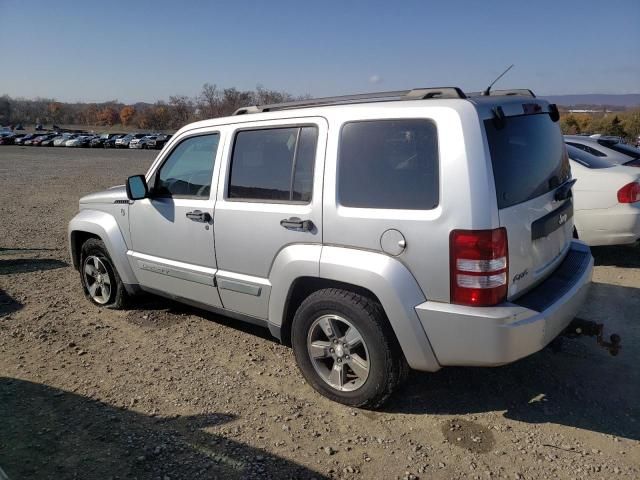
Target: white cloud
<point>375,79</point>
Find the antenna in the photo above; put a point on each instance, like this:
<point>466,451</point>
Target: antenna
<point>488,90</point>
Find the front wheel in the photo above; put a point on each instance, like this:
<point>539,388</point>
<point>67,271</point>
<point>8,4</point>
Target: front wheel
<point>100,280</point>
<point>346,349</point>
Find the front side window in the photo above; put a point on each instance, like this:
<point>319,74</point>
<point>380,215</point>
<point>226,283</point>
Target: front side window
<point>188,170</point>
<point>273,164</point>
<point>389,164</point>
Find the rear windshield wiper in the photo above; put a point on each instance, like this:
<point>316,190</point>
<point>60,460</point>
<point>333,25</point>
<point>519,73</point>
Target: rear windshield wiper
<point>564,190</point>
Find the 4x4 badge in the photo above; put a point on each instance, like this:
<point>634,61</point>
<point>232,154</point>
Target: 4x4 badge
<point>520,276</point>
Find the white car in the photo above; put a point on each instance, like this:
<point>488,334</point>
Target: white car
<point>75,142</point>
<point>608,148</point>
<point>63,139</point>
<point>607,200</point>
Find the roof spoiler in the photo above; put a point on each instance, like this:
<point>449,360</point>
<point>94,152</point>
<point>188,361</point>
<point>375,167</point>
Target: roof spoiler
<point>520,92</point>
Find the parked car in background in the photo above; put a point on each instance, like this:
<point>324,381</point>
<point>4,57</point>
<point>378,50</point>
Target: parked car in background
<point>124,141</point>
<point>48,142</point>
<point>79,141</point>
<point>144,143</point>
<point>111,142</point>
<point>98,142</point>
<point>37,142</point>
<point>609,148</point>
<point>10,139</point>
<point>139,143</point>
<point>607,200</point>
<point>62,140</point>
<point>52,141</point>
<point>26,138</point>
<point>158,142</point>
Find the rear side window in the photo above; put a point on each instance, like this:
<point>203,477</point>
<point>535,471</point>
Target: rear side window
<point>528,156</point>
<point>588,149</point>
<point>273,164</point>
<point>621,148</point>
<point>389,164</point>
<point>587,160</point>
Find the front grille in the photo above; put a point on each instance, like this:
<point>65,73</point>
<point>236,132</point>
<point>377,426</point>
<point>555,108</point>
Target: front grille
<point>558,283</point>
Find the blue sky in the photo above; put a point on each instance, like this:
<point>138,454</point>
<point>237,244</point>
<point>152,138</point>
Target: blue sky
<point>145,51</point>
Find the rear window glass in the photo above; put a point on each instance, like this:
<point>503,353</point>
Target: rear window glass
<point>587,160</point>
<point>528,156</point>
<point>389,164</point>
<point>588,149</point>
<point>621,148</point>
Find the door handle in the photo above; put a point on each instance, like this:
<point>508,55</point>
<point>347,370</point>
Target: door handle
<point>199,216</point>
<point>295,223</point>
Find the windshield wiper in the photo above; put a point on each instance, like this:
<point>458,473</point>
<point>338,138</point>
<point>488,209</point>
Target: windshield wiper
<point>564,190</point>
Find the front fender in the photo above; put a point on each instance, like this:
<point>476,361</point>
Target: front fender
<point>104,226</point>
<point>397,291</point>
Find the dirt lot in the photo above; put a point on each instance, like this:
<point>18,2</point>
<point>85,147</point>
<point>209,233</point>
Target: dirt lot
<point>166,391</point>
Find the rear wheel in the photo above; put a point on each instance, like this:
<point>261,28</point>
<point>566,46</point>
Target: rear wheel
<point>345,348</point>
<point>100,280</point>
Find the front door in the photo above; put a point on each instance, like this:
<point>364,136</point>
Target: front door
<point>172,230</point>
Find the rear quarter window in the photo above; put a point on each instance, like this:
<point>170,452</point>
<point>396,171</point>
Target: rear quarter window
<point>389,164</point>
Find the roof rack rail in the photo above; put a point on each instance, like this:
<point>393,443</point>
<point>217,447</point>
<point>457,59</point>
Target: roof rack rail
<point>415,94</point>
<point>522,92</point>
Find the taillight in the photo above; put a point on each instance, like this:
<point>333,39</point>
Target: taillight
<point>479,266</point>
<point>630,193</point>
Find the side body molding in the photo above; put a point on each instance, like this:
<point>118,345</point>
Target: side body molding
<point>396,289</point>
<point>104,226</point>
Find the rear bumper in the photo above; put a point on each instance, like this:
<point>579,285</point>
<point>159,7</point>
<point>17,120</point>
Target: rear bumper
<point>490,336</point>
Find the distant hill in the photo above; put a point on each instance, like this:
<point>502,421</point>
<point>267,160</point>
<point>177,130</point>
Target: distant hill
<point>627,100</point>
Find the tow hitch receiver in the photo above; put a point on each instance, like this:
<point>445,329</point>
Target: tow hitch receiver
<point>579,326</point>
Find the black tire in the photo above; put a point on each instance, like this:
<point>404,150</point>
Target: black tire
<point>118,297</point>
<point>387,365</point>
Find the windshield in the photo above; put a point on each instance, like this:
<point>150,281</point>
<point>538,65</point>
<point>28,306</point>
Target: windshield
<point>586,159</point>
<point>528,157</point>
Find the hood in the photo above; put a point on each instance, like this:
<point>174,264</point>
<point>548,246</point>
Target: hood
<point>110,195</point>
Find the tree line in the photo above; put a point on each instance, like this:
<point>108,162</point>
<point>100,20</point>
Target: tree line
<point>179,110</point>
<point>624,124</point>
<point>214,102</point>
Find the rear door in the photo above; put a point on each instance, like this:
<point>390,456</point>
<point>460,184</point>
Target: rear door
<point>269,197</point>
<point>530,167</point>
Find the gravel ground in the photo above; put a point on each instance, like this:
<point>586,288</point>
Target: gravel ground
<point>166,391</point>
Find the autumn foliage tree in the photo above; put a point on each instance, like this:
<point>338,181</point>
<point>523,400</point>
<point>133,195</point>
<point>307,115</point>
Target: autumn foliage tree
<point>107,116</point>
<point>126,115</point>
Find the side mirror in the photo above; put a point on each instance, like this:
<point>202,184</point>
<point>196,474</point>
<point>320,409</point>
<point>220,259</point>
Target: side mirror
<point>137,188</point>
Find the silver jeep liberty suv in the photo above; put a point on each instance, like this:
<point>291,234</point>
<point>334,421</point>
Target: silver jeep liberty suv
<point>372,233</point>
